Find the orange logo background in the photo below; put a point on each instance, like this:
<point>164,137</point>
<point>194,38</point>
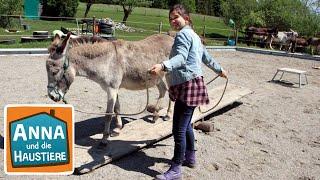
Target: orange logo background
<point>16,112</point>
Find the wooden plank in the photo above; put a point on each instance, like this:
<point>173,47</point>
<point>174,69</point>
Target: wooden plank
<point>140,133</point>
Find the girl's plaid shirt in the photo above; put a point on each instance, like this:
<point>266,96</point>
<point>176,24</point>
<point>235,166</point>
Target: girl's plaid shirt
<point>193,92</point>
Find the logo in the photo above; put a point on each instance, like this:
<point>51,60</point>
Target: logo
<point>39,139</point>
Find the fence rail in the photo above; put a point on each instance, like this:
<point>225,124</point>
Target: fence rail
<point>132,27</point>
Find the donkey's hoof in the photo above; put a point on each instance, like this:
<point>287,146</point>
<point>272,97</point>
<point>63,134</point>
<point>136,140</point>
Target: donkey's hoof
<point>166,118</point>
<point>115,132</point>
<point>155,118</point>
<point>153,108</point>
<point>102,145</point>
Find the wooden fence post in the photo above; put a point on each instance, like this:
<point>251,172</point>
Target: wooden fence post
<point>204,26</point>
<point>78,31</point>
<point>236,36</point>
<point>160,27</point>
<point>93,25</point>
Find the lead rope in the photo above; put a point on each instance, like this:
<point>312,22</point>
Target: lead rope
<point>146,106</point>
<point>115,114</point>
<point>224,90</point>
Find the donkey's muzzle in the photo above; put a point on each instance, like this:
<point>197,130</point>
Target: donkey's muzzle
<point>54,94</point>
<point>54,97</point>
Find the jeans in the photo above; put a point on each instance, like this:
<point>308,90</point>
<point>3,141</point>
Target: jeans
<point>182,130</point>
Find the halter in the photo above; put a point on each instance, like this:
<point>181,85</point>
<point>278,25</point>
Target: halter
<point>66,65</point>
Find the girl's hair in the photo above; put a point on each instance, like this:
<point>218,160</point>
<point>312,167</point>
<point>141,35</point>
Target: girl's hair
<point>182,11</point>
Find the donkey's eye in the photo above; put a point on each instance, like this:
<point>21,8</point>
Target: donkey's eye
<point>59,49</point>
<point>54,73</point>
<point>53,64</point>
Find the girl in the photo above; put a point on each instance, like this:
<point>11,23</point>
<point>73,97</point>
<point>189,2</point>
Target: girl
<point>187,87</point>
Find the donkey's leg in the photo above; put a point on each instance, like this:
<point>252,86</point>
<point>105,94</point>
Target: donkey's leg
<point>118,128</point>
<point>112,97</point>
<point>280,46</point>
<point>162,88</point>
<point>289,47</point>
<point>169,112</point>
<point>270,45</point>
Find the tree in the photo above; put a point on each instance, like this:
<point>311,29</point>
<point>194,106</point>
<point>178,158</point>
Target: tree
<point>190,5</point>
<point>128,6</point>
<point>161,4</point>
<point>305,20</point>
<point>282,14</point>
<point>216,8</point>
<point>89,4</point>
<point>59,8</point>
<point>254,19</point>
<point>314,5</point>
<point>9,7</point>
<point>173,2</point>
<point>277,13</point>
<point>238,11</point>
<point>209,7</point>
<point>290,14</point>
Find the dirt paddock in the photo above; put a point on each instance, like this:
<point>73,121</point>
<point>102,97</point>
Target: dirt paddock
<point>273,133</point>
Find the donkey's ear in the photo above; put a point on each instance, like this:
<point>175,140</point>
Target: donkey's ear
<point>172,33</point>
<point>64,45</point>
<point>54,44</point>
<point>56,39</point>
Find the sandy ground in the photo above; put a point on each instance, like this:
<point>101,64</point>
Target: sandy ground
<point>273,133</point>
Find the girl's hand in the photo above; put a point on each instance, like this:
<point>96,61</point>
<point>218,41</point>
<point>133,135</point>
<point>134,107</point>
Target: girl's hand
<point>156,69</point>
<point>223,74</point>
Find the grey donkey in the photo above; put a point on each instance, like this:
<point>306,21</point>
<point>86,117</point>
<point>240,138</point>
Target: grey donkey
<point>111,64</point>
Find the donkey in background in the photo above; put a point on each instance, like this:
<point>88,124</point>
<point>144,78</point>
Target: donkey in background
<point>113,65</point>
<point>265,34</point>
<point>286,39</point>
<point>314,45</point>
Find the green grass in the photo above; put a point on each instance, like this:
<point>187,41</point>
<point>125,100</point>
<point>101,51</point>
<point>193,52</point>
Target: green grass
<point>145,20</point>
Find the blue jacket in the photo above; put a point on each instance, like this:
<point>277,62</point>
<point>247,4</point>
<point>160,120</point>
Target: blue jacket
<point>186,56</point>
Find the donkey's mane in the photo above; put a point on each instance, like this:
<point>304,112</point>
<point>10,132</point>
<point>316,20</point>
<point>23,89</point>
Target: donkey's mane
<point>95,39</point>
<point>92,47</point>
<point>86,40</point>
